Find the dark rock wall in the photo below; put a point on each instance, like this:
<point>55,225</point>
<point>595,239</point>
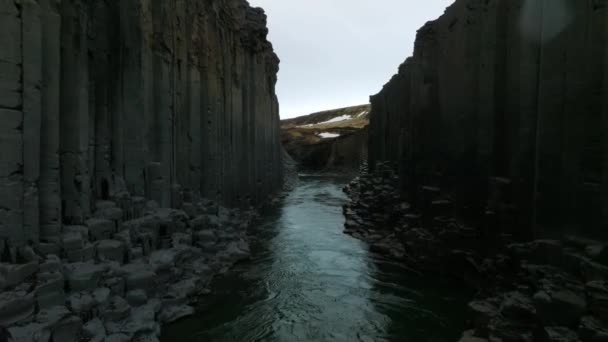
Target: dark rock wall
<point>505,105</point>
<point>348,152</point>
<point>167,100</point>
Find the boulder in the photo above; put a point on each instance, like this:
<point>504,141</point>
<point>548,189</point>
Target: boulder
<point>112,214</point>
<point>483,312</point>
<point>136,253</point>
<point>184,239</point>
<point>141,278</point>
<point>591,270</point>
<point>51,264</point>
<point>101,229</point>
<point>81,303</point>
<point>83,231</point>
<point>518,307</point>
<point>597,293</point>
<point>117,309</point>
<point>469,336</point>
<point>137,298</point>
<point>94,330</point>
<point>85,254</point>
<point>15,306</point>
<point>101,297</point>
<point>117,285</point>
<point>117,338</point>
<point>110,250</point>
<point>205,236</point>
<point>83,276</point>
<point>560,308</point>
<point>72,241</point>
<point>100,205</point>
<point>173,313</point>
<point>50,290</point>
<point>141,321</point>
<point>561,334</point>
<point>48,248</point>
<point>591,329</point>
<point>12,274</point>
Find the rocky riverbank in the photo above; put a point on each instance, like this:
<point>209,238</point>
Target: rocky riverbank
<point>541,290</point>
<point>123,273</point>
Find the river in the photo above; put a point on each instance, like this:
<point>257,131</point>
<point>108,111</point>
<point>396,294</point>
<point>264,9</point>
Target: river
<point>307,281</point>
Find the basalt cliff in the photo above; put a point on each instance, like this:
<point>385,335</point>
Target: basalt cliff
<point>127,130</point>
<point>488,163</point>
<point>504,103</point>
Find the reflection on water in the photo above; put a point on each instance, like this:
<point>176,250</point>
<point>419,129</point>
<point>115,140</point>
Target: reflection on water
<point>307,281</point>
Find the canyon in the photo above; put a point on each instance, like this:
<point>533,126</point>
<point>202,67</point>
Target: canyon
<point>149,190</point>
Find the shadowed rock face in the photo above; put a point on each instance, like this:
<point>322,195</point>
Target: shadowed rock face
<point>504,107</point>
<point>114,100</point>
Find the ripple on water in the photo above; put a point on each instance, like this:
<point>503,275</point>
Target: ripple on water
<point>307,281</point>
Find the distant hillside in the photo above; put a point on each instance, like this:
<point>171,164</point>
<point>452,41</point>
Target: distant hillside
<point>353,117</point>
<point>330,139</point>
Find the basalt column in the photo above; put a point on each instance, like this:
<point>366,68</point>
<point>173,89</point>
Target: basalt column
<point>133,100</point>
<point>504,101</point>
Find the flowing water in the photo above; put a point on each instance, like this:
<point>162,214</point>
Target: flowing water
<point>307,281</point>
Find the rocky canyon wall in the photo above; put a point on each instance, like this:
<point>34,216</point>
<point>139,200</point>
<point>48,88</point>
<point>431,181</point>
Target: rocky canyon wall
<point>503,108</point>
<point>129,101</point>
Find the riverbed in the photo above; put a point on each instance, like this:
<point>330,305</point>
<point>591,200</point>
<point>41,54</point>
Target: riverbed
<point>308,281</point>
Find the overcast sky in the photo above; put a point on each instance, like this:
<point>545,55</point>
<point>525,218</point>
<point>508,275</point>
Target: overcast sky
<point>336,53</point>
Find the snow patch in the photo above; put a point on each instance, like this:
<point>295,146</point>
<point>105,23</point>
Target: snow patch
<point>326,135</point>
<point>336,119</point>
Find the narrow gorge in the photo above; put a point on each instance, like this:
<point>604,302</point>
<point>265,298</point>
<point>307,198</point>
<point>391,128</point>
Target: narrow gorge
<point>151,188</point>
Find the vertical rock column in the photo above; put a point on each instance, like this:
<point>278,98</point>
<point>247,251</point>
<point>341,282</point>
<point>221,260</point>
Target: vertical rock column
<point>11,114</point>
<point>74,122</point>
<point>50,189</point>
<point>31,25</point>
<point>29,88</point>
<point>601,23</point>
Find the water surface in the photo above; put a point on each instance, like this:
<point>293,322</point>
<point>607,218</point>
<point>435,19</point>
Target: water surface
<point>307,281</point>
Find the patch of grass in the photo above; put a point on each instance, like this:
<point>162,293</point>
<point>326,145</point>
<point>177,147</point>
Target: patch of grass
<point>316,121</point>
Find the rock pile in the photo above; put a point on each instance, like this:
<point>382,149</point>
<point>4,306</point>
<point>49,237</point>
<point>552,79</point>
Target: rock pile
<point>557,293</point>
<point>122,274</point>
<point>425,236</point>
<point>543,290</point>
